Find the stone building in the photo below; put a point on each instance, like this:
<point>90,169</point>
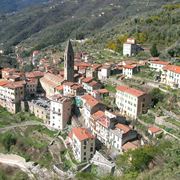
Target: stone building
<point>69,63</point>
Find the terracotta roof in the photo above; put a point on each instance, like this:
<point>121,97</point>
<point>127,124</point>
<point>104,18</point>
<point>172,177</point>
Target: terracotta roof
<point>160,62</point>
<point>123,127</point>
<point>16,84</point>
<point>82,64</point>
<point>104,121</point>
<point>91,101</point>
<point>34,74</point>
<point>129,66</point>
<point>122,88</point>
<point>129,146</point>
<point>173,68</point>
<point>98,114</point>
<point>103,91</point>
<point>3,82</point>
<point>93,83</point>
<point>87,80</point>
<point>154,129</point>
<point>131,91</point>
<point>59,88</point>
<point>82,134</point>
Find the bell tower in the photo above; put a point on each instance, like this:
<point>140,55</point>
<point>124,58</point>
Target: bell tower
<point>69,63</point>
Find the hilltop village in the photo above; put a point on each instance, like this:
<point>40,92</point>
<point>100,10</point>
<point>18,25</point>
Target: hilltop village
<point>101,120</point>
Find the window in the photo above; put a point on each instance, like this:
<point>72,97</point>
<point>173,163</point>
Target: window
<point>84,153</point>
<point>91,149</point>
<point>85,142</point>
<point>84,158</point>
<point>84,147</point>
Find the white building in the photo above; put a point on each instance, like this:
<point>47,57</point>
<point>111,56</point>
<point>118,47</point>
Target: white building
<point>104,72</point>
<point>90,106</point>
<point>158,65</point>
<point>73,89</point>
<point>130,48</point>
<point>171,76</point>
<point>83,144</point>
<point>60,111</point>
<point>132,102</point>
<point>129,70</point>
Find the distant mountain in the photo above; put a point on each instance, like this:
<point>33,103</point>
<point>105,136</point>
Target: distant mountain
<point>52,23</point>
<point>9,6</point>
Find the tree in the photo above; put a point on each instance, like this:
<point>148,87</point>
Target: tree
<point>156,95</point>
<point>154,52</point>
<point>8,140</point>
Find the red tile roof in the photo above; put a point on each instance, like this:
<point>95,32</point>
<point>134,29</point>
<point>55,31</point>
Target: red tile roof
<point>87,80</point>
<point>131,91</point>
<point>93,83</point>
<point>98,114</point>
<point>129,146</point>
<point>129,66</point>
<point>103,91</point>
<point>104,121</point>
<point>160,62</point>
<point>123,128</point>
<point>14,85</point>
<point>122,88</point>
<point>91,101</point>
<point>173,68</point>
<point>59,88</point>
<point>82,134</point>
<point>3,82</point>
<point>154,129</point>
<point>34,74</point>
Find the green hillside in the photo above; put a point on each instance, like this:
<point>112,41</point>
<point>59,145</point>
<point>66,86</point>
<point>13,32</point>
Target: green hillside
<point>55,22</point>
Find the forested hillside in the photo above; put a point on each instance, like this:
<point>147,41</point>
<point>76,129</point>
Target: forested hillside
<point>9,6</point>
<point>100,20</point>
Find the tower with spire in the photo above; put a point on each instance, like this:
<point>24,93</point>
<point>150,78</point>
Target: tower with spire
<point>69,63</point>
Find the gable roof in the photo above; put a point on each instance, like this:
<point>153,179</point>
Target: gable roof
<point>82,133</point>
<point>132,91</point>
<point>91,101</point>
<point>154,129</point>
<point>173,68</point>
<point>123,127</point>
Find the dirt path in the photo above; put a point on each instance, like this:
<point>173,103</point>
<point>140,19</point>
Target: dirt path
<point>17,161</point>
<point>22,124</point>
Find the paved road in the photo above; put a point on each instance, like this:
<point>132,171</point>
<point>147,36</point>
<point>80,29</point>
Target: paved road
<point>22,124</point>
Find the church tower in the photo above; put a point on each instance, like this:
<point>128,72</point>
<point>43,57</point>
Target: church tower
<point>69,63</point>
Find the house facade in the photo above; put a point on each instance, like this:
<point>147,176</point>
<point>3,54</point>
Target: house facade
<point>132,102</point>
<point>83,144</point>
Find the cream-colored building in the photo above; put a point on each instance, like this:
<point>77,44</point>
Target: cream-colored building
<point>129,70</point>
<point>83,144</point>
<point>132,102</point>
<point>171,76</point>
<point>49,82</point>
<point>40,108</point>
<point>11,94</point>
<point>60,111</point>
<point>73,89</point>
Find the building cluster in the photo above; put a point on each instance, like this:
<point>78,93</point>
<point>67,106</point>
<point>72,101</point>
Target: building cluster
<point>78,91</point>
<point>169,74</point>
